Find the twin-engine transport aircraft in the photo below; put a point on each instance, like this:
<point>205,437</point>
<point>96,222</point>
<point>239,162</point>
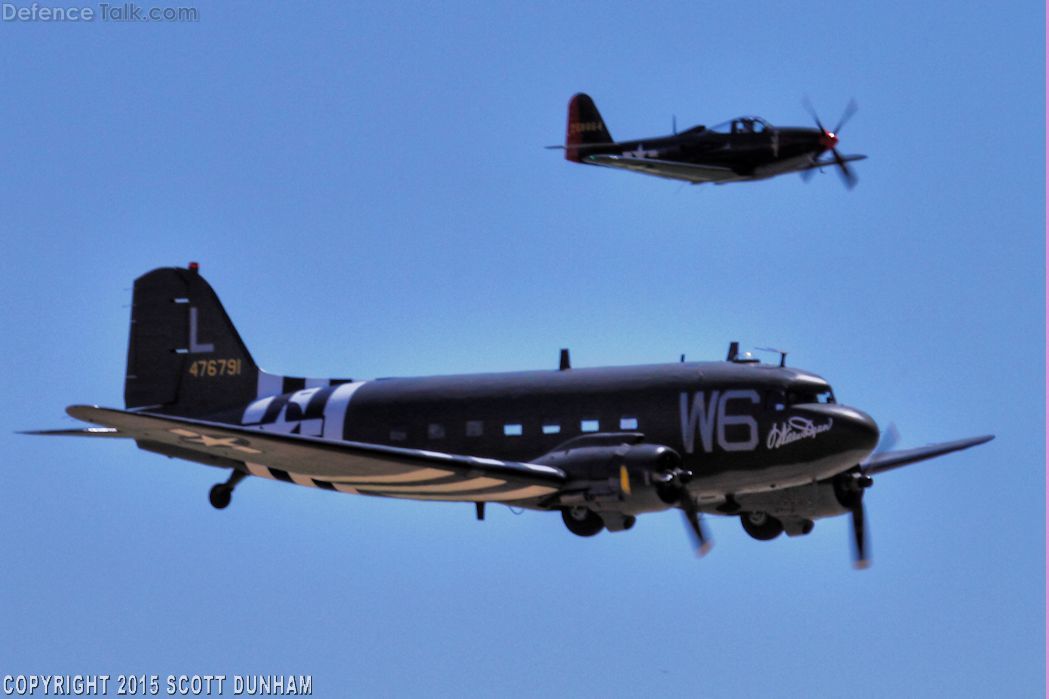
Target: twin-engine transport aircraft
<point>746,148</point>
<point>768,444</point>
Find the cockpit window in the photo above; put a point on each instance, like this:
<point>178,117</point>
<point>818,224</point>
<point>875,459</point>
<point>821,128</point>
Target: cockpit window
<point>810,396</point>
<point>748,124</point>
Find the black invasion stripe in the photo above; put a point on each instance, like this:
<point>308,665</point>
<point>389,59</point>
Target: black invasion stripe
<point>324,484</point>
<point>292,384</point>
<point>273,409</point>
<point>338,382</point>
<point>281,475</point>
<point>315,408</point>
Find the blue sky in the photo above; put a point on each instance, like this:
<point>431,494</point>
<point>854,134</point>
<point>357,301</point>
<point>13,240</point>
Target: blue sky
<point>367,190</point>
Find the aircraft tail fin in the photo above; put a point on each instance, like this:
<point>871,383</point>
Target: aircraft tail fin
<point>184,355</point>
<point>585,127</point>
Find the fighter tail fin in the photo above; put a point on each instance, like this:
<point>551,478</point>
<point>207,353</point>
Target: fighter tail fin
<point>585,127</point>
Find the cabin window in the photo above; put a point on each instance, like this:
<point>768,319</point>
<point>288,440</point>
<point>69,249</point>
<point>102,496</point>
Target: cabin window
<point>474,428</point>
<point>435,431</point>
<point>513,429</point>
<point>551,428</point>
<point>398,434</point>
<point>589,425</point>
<point>628,423</point>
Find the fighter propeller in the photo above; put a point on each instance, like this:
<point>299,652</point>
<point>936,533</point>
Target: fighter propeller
<point>829,140</point>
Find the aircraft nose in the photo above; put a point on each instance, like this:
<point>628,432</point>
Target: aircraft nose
<point>828,139</point>
<point>862,426</point>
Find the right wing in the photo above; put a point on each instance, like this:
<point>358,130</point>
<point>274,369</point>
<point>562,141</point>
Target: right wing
<point>886,461</point>
<point>665,168</point>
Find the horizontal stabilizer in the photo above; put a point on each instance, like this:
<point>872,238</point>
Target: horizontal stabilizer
<point>79,432</point>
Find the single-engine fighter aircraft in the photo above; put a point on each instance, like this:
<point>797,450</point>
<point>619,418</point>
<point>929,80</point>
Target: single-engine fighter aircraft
<point>768,444</point>
<point>745,148</point>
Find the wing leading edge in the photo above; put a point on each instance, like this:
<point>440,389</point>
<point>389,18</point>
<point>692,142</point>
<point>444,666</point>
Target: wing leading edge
<point>350,467</point>
<point>889,460</point>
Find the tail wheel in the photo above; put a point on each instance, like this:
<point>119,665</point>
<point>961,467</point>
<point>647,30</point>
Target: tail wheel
<point>220,496</point>
<point>761,525</point>
<point>582,521</point>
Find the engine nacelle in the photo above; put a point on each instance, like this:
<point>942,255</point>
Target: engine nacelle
<point>822,499</point>
<point>613,472</point>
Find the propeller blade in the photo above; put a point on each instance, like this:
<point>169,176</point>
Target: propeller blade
<point>812,112</point>
<point>847,175</point>
<point>859,536</point>
<point>700,541</point>
<point>889,437</point>
<point>850,109</point>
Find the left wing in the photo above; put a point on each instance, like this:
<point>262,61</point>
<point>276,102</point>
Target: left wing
<point>665,168</point>
<point>886,461</point>
<point>349,467</point>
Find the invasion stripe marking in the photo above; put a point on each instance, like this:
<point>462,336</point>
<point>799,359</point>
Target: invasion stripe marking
<point>455,487</point>
<point>422,474</point>
<point>531,491</point>
<point>258,470</point>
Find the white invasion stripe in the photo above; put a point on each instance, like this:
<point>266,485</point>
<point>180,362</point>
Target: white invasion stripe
<point>254,412</point>
<point>490,462</point>
<point>335,410</point>
<point>269,384</point>
<point>531,491</point>
<point>345,489</point>
<point>258,470</point>
<point>455,487</point>
<point>422,474</point>
<point>317,383</point>
<point>302,480</point>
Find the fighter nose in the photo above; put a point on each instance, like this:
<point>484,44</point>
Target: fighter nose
<point>828,139</point>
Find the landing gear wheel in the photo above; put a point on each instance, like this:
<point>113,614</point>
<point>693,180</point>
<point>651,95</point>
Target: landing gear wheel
<point>220,496</point>
<point>582,521</point>
<point>761,525</point>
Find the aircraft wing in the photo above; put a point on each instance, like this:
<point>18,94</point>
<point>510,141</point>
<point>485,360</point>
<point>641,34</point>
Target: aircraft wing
<point>665,168</point>
<point>349,467</point>
<point>830,163</point>
<point>886,461</point>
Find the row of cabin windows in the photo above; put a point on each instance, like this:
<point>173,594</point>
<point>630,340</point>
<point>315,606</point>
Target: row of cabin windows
<point>475,428</point>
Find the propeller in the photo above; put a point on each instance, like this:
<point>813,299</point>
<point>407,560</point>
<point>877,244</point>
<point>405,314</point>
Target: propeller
<point>850,487</point>
<point>829,141</point>
<point>673,488</point>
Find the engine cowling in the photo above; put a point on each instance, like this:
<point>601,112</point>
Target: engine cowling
<point>614,472</point>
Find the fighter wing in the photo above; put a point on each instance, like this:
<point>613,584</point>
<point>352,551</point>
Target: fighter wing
<point>665,168</point>
<point>830,163</point>
<point>886,461</point>
<point>349,467</point>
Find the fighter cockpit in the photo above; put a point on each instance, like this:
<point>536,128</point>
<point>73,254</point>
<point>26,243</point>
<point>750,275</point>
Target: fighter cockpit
<point>741,125</point>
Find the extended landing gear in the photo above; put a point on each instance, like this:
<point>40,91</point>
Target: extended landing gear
<point>221,494</point>
<point>582,521</point>
<point>761,525</point>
